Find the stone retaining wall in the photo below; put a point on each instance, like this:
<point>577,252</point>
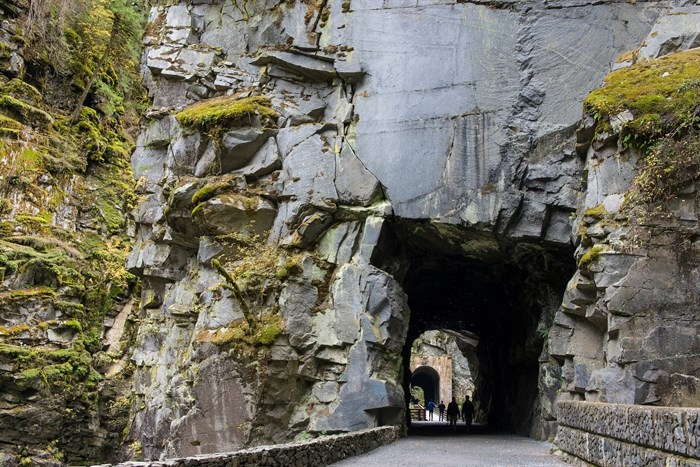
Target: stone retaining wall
<point>317,452</point>
<point>617,434</point>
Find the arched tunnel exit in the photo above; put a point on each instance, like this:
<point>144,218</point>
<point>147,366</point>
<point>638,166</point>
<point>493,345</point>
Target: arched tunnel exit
<point>504,293</point>
<point>428,379</point>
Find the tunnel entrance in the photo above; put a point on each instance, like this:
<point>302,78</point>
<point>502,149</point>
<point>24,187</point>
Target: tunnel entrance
<point>428,380</point>
<point>447,355</point>
<point>503,294</point>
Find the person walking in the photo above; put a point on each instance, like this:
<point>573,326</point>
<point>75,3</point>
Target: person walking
<point>431,408</point>
<point>441,411</point>
<point>453,413</point>
<point>468,413</point>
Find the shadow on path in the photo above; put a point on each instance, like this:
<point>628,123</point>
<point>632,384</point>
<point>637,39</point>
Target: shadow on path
<point>435,428</point>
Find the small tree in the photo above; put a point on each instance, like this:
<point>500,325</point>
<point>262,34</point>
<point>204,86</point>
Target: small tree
<point>121,46</point>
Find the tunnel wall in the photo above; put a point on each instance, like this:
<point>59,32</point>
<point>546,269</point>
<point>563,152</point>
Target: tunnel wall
<point>506,299</point>
<point>618,434</point>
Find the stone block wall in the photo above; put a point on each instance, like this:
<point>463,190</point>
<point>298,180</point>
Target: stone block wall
<point>619,434</point>
<point>320,451</point>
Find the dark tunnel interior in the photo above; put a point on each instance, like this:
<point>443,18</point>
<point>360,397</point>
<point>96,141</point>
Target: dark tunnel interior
<point>428,380</point>
<point>504,293</point>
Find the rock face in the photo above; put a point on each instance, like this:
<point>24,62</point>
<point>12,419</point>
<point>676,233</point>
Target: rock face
<point>627,329</point>
<point>379,170</point>
<point>67,314</point>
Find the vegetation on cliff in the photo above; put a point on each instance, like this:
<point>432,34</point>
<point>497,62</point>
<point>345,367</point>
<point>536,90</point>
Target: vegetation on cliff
<point>224,112</point>
<point>69,109</point>
<point>662,96</point>
<point>655,107</point>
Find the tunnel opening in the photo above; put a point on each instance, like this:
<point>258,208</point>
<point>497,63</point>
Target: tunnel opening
<point>500,296</point>
<point>450,357</point>
<point>428,380</point>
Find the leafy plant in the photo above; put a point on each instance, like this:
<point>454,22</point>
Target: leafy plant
<point>670,165</point>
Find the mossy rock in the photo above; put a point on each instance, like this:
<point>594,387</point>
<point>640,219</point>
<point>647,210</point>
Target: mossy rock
<point>23,91</point>
<point>213,115</point>
<point>20,110</point>
<point>662,95</point>
<point>670,166</point>
<point>596,212</point>
<point>590,257</point>
<point>9,133</point>
<point>239,335</point>
<point>10,123</point>
<point>21,295</point>
<point>209,191</point>
<point>68,369</point>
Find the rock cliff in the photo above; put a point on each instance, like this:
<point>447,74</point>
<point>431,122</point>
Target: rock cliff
<point>318,183</point>
<point>67,310</point>
<point>321,182</point>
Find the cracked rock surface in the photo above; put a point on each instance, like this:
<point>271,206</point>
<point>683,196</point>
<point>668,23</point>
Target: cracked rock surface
<point>272,307</point>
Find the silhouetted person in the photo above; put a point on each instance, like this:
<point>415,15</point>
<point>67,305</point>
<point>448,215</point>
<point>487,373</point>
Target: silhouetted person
<point>431,408</point>
<point>441,411</point>
<point>453,413</point>
<point>468,413</point>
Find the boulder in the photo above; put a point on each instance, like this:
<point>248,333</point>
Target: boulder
<point>354,183</point>
<point>238,146</point>
<point>234,213</point>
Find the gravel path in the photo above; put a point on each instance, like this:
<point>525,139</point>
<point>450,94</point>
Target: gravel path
<point>456,450</point>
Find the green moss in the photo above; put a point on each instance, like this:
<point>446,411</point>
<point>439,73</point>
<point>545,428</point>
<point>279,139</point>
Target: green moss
<point>25,112</point>
<point>71,309</point>
<point>59,370</point>
<point>12,351</point>
<point>68,369</point>
<point>38,221</point>
<point>208,191</point>
<point>30,374</point>
<point>590,256</point>
<point>17,295</point>
<point>268,330</point>
<point>111,215</point>
<point>6,227</point>
<point>9,133</point>
<point>196,211</point>
<point>10,123</point>
<point>214,114</point>
<point>12,330</point>
<point>290,267</point>
<point>32,159</point>
<point>597,212</point>
<point>239,335</point>
<point>73,324</point>
<point>661,94</point>
<point>22,90</point>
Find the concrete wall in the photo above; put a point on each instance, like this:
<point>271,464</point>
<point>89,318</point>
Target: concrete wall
<point>320,451</point>
<point>618,434</point>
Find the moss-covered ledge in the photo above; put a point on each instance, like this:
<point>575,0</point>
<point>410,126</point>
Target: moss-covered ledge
<point>320,451</point>
<point>621,434</point>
